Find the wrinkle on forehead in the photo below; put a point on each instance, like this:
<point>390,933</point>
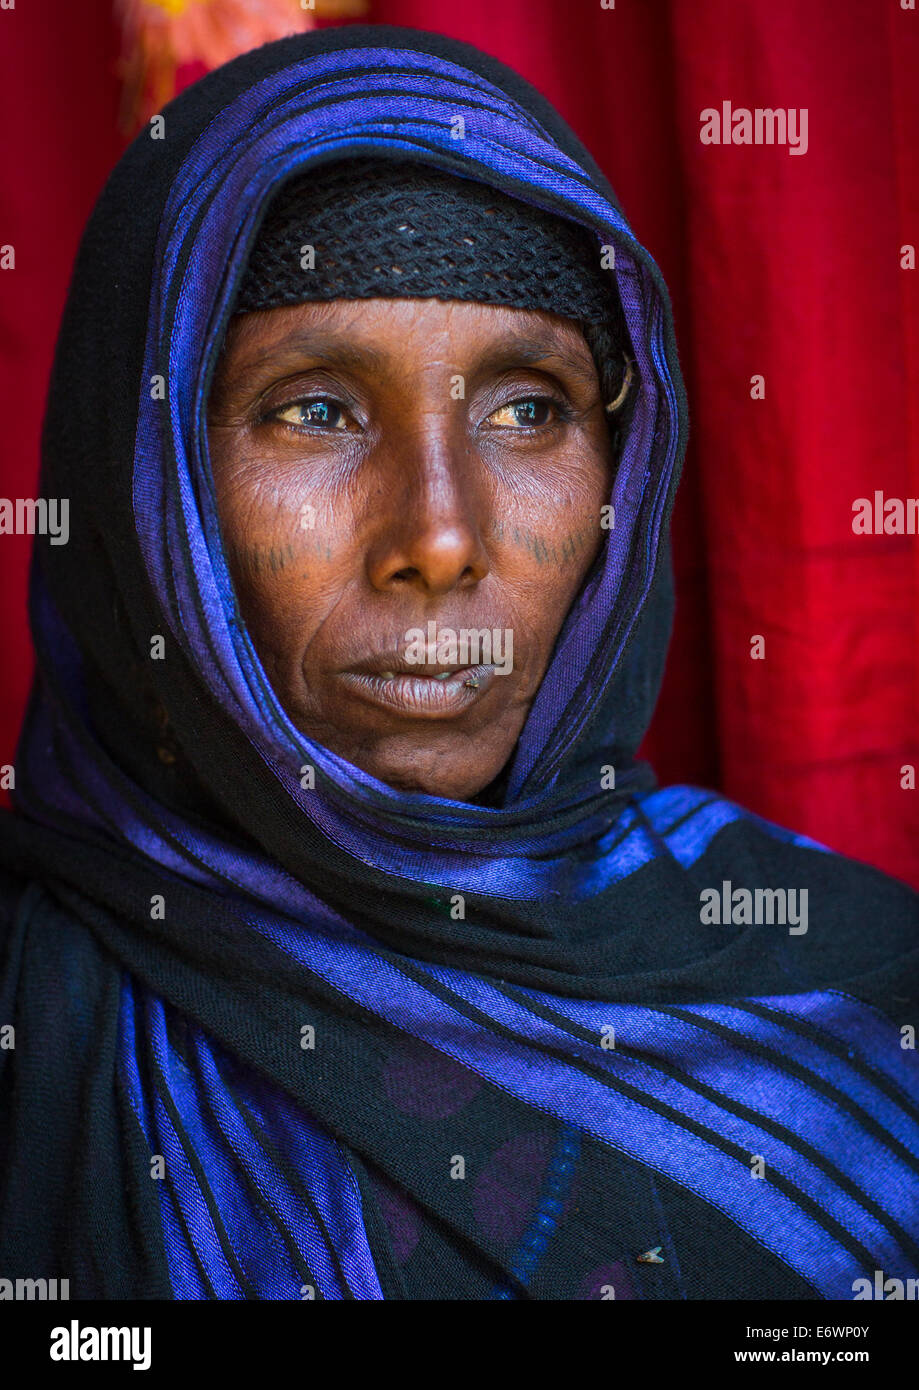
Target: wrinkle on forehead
<point>324,331</point>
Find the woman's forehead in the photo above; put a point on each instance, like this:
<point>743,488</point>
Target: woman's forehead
<point>368,333</point>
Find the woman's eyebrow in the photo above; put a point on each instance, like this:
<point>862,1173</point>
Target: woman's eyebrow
<point>330,348</point>
<point>532,352</point>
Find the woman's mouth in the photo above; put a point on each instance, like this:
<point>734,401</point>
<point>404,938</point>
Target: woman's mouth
<point>422,694</point>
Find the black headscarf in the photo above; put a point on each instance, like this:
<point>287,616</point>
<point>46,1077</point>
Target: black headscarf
<point>280,1027</point>
<point>378,229</point>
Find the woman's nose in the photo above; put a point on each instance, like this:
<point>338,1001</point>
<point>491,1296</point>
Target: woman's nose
<point>429,528</point>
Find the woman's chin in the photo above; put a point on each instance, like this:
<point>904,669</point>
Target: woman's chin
<point>452,775</point>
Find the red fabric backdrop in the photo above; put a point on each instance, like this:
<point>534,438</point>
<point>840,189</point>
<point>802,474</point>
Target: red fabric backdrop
<point>780,265</point>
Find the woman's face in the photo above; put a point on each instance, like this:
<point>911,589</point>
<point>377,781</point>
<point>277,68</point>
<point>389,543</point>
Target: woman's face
<point>410,493</point>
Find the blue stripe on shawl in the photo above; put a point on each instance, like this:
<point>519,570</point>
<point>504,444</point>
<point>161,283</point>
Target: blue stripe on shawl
<point>262,1207</point>
<point>628,1123</point>
<point>826,1142</point>
<point>556,1186</point>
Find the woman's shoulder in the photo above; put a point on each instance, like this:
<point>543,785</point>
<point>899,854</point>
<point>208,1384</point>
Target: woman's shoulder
<point>708,832</point>
<point>842,921</point>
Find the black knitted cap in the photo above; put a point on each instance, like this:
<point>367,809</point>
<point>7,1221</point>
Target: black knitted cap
<point>380,229</point>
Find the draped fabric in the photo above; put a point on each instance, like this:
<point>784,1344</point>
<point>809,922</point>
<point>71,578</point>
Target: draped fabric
<point>775,268</point>
<point>258,1050</point>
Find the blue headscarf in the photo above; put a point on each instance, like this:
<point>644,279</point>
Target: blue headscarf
<point>267,1000</point>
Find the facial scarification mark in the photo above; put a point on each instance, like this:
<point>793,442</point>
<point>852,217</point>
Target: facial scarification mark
<point>258,560</point>
<point>543,551</point>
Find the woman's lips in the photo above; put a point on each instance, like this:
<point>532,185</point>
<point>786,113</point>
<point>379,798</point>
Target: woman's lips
<point>422,696</point>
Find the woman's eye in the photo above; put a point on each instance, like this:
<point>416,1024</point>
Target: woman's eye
<point>322,412</point>
<point>529,413</point>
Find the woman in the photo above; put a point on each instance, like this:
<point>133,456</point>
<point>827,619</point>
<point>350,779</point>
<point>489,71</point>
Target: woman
<point>349,950</point>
